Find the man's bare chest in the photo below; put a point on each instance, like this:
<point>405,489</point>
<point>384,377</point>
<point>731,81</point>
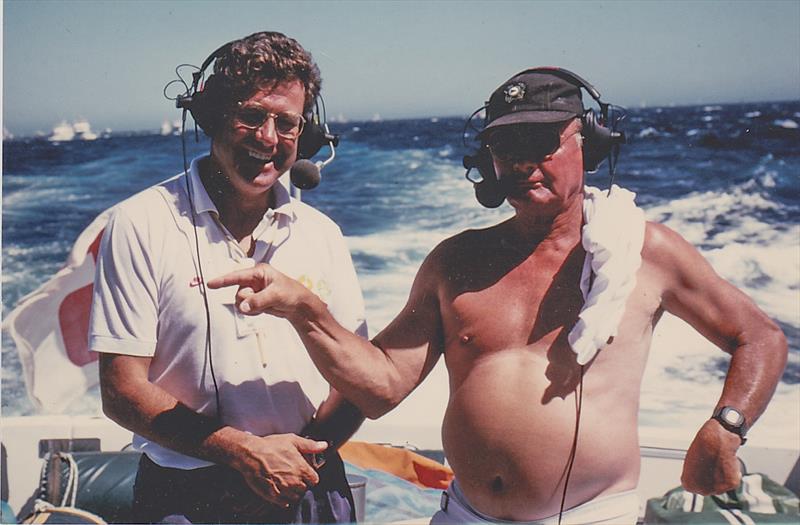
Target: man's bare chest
<point>520,308</point>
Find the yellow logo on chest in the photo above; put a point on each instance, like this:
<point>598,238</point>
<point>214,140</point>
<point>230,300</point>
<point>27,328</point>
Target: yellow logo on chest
<point>319,287</point>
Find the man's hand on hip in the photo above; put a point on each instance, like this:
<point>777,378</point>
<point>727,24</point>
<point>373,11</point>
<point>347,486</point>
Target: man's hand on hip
<point>711,465</point>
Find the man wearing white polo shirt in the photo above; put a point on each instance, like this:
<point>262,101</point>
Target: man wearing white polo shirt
<point>231,414</point>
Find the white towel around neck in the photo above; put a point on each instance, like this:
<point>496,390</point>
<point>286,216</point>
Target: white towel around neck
<point>613,235</point>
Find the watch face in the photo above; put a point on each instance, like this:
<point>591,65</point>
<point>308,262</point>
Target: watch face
<point>732,417</point>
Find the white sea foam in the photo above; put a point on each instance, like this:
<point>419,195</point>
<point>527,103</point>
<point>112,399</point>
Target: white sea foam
<point>46,189</point>
<point>697,216</point>
<point>768,272</point>
<point>648,132</point>
<point>402,251</point>
<point>786,123</point>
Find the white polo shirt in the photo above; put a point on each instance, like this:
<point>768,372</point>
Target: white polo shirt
<point>147,302</point>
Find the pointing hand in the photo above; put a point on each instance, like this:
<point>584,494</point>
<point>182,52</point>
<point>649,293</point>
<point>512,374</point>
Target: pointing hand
<point>263,289</point>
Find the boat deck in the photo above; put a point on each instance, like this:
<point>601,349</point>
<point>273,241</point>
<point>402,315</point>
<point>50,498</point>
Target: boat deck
<point>22,449</point>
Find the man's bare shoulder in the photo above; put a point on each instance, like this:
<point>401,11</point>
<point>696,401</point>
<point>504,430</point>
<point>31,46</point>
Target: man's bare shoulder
<point>473,238</point>
<point>663,245</point>
<point>468,243</point>
<point>672,260</point>
<point>461,252</point>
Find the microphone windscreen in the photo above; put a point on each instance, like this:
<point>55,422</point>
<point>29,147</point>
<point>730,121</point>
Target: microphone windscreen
<point>489,195</point>
<point>305,174</point>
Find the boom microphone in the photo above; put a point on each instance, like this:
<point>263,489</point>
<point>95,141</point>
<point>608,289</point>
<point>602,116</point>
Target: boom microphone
<point>305,174</point>
<point>490,194</point>
<point>489,191</point>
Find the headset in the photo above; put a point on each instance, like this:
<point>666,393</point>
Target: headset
<point>204,100</point>
<point>600,140</point>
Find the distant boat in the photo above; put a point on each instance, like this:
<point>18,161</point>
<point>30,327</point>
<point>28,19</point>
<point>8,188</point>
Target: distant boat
<point>78,130</point>
<point>83,131</point>
<point>171,128</point>
<point>7,135</point>
<point>62,132</point>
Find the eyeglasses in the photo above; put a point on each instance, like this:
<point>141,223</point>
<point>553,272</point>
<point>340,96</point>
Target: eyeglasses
<point>523,142</point>
<point>288,124</point>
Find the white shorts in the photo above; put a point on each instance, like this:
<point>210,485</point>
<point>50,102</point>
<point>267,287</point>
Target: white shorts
<point>616,509</point>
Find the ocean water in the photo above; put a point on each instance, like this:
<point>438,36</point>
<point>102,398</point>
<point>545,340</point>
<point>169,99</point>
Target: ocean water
<point>725,177</point>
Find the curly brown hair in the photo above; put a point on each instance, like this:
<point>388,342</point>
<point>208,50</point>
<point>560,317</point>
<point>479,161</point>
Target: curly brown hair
<point>266,56</point>
<point>243,66</point>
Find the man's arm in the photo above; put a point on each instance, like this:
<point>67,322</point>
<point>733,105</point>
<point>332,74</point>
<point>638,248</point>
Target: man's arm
<point>335,422</point>
<point>730,320</point>
<point>273,466</point>
<point>374,376</point>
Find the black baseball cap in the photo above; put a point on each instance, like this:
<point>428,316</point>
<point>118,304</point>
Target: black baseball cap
<point>535,96</point>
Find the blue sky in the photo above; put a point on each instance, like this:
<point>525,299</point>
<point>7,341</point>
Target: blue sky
<point>109,61</point>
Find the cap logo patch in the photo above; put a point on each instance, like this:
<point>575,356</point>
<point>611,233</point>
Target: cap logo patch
<point>514,92</point>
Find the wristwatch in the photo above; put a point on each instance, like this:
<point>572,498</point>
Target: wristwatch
<point>732,420</point>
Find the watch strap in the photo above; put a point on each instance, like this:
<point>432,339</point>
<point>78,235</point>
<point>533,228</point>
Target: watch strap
<point>740,429</point>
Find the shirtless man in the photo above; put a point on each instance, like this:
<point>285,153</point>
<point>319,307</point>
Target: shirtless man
<point>499,304</point>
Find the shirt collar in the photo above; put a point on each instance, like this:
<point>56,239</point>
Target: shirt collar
<point>203,203</point>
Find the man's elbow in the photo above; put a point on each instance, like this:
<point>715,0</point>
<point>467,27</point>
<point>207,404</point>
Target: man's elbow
<point>375,411</point>
<point>776,340</point>
<point>379,405</point>
<point>119,400</point>
<point>110,401</point>
<point>769,343</point>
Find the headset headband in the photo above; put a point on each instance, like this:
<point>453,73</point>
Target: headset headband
<point>207,62</point>
<point>206,110</point>
<point>601,139</point>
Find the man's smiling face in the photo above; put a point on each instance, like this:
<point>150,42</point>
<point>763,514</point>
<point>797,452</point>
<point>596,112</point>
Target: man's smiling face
<point>253,159</point>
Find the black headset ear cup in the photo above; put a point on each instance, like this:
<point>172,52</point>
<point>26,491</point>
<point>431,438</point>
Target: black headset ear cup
<point>311,139</point>
<point>207,108</point>
<point>597,141</point>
